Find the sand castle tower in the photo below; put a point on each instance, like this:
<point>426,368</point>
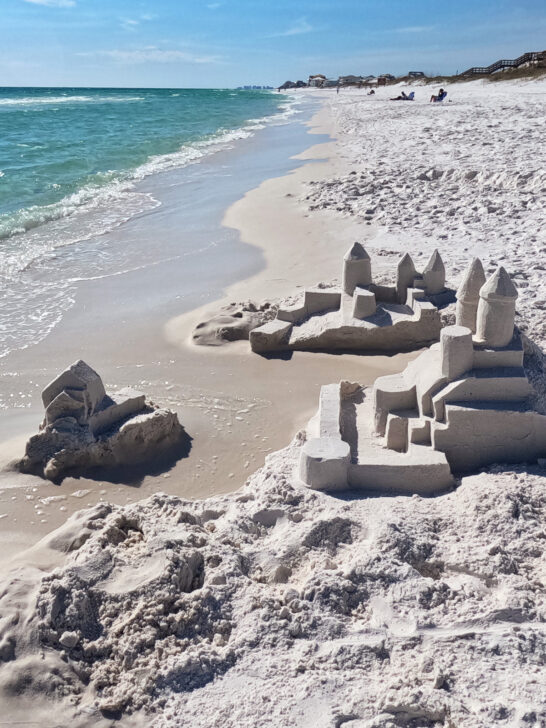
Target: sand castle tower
<point>468,295</point>
<point>357,269</point>
<point>496,310</point>
<point>434,275</point>
<point>457,351</point>
<point>405,276</point>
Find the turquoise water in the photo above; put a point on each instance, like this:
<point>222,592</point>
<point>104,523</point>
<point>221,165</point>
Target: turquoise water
<point>72,162</point>
<point>63,148</point>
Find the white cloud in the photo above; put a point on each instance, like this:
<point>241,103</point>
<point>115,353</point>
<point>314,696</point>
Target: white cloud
<point>153,55</point>
<point>131,24</point>
<point>53,3</point>
<point>298,27</point>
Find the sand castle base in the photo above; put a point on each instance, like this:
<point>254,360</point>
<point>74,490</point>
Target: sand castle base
<point>416,431</point>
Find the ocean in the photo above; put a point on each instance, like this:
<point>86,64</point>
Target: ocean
<point>71,161</point>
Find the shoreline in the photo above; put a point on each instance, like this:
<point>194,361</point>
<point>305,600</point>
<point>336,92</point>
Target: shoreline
<point>227,398</point>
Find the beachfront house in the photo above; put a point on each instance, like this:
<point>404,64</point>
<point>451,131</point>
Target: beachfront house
<point>316,81</point>
<point>416,74</point>
<point>351,80</point>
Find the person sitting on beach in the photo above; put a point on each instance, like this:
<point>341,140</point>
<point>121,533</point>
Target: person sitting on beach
<point>371,92</point>
<point>440,97</point>
<point>404,97</point>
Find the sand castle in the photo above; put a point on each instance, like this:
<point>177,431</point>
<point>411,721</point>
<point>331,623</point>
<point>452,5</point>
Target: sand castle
<point>362,315</point>
<point>463,404</point>
<point>84,427</point>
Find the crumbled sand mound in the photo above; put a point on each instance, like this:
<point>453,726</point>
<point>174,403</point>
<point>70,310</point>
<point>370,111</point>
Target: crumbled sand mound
<point>232,323</point>
<point>279,606</point>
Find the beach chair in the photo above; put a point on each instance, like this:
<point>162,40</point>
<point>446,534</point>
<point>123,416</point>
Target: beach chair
<point>440,97</point>
<point>411,96</point>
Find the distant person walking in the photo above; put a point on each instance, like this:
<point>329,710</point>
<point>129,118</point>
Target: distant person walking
<point>337,89</point>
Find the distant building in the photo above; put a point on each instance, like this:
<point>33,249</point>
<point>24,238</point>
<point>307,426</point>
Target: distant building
<point>384,79</point>
<point>416,74</point>
<point>316,81</point>
<point>351,80</point>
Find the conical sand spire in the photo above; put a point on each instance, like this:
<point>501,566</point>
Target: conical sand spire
<point>434,274</point>
<point>468,295</point>
<point>496,310</point>
<point>473,280</point>
<point>356,252</point>
<point>405,275</point>
<point>357,269</point>
<point>499,285</point>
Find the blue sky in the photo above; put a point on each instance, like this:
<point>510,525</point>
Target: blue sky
<point>222,43</point>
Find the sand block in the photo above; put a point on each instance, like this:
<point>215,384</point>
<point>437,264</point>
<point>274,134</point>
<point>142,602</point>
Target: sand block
<point>507,356</point>
<point>489,385</point>
<point>315,300</point>
<point>384,294</point>
<point>321,299</point>
<point>330,411</point>
<point>391,393</point>
<point>64,405</point>
<point>81,382</point>
<point>113,409</point>
<point>419,431</point>
<point>324,463</point>
<point>456,351</point>
<point>363,303</point>
<point>271,336</point>
<point>480,433</point>
<point>420,470</point>
<point>397,432</point>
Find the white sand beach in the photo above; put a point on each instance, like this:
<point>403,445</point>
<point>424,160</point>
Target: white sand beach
<point>215,601</point>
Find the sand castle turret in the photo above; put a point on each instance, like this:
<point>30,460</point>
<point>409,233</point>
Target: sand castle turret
<point>456,350</point>
<point>496,310</point>
<point>357,269</point>
<point>405,276</point>
<point>468,295</point>
<point>434,275</point>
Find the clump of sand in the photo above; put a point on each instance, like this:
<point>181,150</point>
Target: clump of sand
<point>233,322</point>
<point>280,606</point>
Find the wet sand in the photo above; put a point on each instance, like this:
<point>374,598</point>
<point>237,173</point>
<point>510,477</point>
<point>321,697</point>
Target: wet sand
<point>134,328</point>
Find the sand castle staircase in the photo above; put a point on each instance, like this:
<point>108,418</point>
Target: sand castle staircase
<point>463,404</point>
<point>362,315</point>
